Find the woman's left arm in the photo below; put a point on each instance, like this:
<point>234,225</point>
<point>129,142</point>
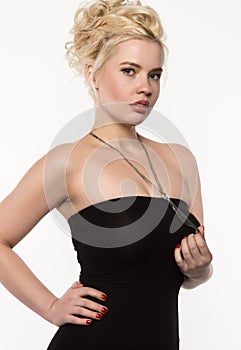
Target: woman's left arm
<point>192,255</point>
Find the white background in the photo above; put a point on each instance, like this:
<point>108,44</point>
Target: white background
<point>201,96</point>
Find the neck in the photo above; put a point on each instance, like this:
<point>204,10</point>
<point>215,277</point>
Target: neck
<point>115,132</point>
<point>112,123</point>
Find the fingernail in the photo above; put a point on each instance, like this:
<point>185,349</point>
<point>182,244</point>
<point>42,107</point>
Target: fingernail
<point>178,245</point>
<point>104,296</point>
<point>104,310</point>
<point>99,316</point>
<point>89,321</point>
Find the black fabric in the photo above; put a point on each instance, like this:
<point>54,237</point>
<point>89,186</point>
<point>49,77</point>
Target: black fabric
<point>141,278</point>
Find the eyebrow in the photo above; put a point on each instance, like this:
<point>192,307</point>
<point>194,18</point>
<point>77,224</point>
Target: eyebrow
<point>138,66</point>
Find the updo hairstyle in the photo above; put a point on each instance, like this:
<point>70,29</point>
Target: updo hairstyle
<point>102,24</point>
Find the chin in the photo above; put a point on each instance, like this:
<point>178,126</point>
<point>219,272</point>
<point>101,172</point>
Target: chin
<point>134,118</point>
<point>122,113</point>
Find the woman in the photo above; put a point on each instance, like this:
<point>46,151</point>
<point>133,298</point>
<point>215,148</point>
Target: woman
<point>137,246</point>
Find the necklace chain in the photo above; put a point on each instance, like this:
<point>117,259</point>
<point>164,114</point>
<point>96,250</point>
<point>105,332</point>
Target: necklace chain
<point>176,209</point>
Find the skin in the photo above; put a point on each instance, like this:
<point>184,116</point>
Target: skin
<point>118,84</point>
<point>127,84</point>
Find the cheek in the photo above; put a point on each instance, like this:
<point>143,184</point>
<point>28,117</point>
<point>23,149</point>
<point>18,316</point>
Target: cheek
<point>114,89</point>
<point>156,91</point>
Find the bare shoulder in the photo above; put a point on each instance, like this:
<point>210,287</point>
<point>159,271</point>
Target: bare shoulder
<point>181,150</point>
<point>181,158</point>
<point>56,164</point>
<point>182,153</point>
<point>73,159</point>
<point>172,152</point>
<point>59,158</point>
<point>41,189</point>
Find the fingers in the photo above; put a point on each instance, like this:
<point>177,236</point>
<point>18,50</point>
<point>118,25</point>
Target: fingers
<point>82,307</point>
<point>89,291</point>
<point>179,258</point>
<point>190,248</point>
<point>96,313</point>
<point>193,255</point>
<point>76,284</point>
<point>200,230</point>
<point>194,246</point>
<point>78,321</point>
<point>84,291</point>
<point>72,307</point>
<point>83,316</point>
<point>187,253</point>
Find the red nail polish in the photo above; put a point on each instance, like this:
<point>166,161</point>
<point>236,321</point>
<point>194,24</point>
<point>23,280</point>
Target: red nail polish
<point>89,321</point>
<point>178,245</point>
<point>104,310</point>
<point>104,296</point>
<point>99,316</point>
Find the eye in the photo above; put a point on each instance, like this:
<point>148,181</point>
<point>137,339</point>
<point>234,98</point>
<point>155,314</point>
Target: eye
<point>128,71</point>
<point>155,76</point>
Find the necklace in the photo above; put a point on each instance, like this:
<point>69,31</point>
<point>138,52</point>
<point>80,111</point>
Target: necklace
<point>177,210</point>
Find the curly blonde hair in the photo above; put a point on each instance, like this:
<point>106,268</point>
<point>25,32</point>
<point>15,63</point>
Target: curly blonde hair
<point>102,24</point>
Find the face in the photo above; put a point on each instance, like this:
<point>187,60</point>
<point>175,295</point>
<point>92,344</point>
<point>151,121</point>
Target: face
<point>129,81</point>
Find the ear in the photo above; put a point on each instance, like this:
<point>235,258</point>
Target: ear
<point>88,70</point>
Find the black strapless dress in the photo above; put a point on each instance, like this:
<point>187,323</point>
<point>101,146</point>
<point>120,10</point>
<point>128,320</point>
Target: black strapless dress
<point>125,247</point>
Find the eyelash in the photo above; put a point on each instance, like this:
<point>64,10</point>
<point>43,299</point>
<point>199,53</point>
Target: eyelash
<point>158,75</point>
<point>125,70</point>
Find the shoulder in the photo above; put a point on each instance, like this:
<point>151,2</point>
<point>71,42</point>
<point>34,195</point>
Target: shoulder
<point>56,164</point>
<point>182,153</point>
<point>184,159</point>
<point>177,149</point>
<point>173,152</point>
<point>64,163</point>
<point>60,154</point>
<point>63,156</point>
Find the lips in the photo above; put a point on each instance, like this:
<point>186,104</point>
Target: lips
<point>140,106</point>
<point>141,102</point>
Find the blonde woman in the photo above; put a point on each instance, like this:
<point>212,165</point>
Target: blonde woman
<point>136,245</point>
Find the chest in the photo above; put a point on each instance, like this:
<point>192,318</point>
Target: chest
<point>105,174</point>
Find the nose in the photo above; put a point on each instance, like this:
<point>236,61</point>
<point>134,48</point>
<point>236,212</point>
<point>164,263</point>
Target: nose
<point>144,86</point>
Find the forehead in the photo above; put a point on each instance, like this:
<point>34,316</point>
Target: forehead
<point>144,52</point>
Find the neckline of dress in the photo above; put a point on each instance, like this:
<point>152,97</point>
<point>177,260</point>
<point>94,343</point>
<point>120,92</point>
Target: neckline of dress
<point>131,196</point>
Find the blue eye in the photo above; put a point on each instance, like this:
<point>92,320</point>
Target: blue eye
<point>128,71</point>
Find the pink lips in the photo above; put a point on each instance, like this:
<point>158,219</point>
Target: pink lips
<point>140,106</point>
<point>141,102</point>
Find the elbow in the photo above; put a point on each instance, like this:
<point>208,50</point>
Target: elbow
<point>6,244</point>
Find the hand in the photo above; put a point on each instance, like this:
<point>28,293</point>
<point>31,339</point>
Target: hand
<point>64,309</point>
<point>194,257</point>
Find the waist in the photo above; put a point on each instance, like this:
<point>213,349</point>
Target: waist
<point>133,280</point>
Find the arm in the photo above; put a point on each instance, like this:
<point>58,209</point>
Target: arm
<point>193,255</point>
<point>20,211</point>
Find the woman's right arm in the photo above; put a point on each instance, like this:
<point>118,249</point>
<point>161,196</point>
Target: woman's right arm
<point>40,190</point>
